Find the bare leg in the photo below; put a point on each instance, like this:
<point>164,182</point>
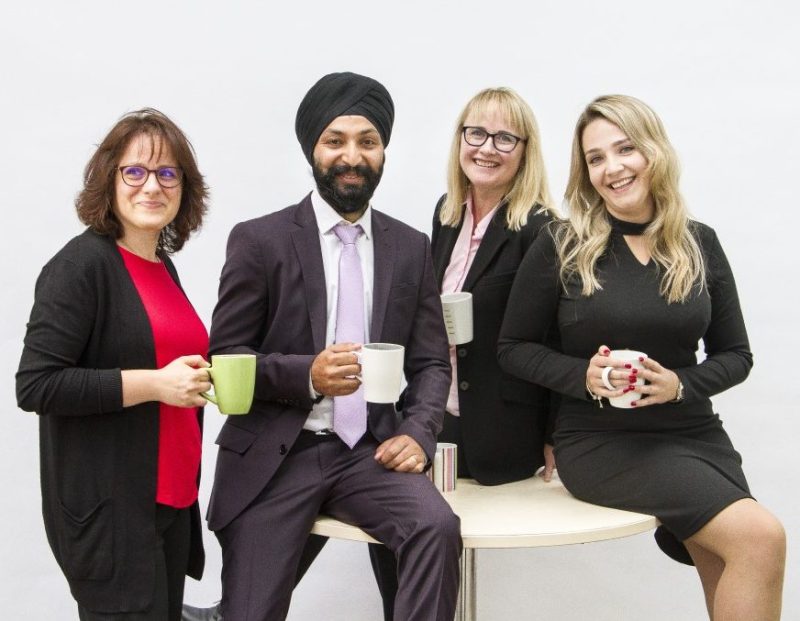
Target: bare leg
<point>710,568</point>
<point>751,544</point>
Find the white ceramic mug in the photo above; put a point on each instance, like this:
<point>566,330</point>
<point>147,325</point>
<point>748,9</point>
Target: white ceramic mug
<point>381,371</point>
<point>632,358</point>
<point>457,310</point>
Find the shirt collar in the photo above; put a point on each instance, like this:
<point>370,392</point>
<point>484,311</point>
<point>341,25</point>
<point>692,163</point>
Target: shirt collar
<point>480,228</point>
<point>327,218</point>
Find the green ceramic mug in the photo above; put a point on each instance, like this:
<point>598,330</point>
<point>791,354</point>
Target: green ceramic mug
<point>234,379</point>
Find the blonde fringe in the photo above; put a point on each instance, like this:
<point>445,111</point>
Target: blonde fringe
<point>529,188</point>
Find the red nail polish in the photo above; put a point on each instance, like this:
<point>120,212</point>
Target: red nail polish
<point>627,365</point>
<point>641,358</point>
<point>633,404</point>
<point>631,387</point>
<point>606,351</point>
<point>634,370</point>
<point>631,378</point>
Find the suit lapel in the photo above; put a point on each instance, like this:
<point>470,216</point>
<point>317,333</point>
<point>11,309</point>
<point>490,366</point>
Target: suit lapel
<point>383,270</point>
<point>309,255</point>
<point>496,235</point>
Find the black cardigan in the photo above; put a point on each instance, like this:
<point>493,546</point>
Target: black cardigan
<point>99,460</point>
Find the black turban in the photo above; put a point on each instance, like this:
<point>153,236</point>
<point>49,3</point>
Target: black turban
<point>342,94</point>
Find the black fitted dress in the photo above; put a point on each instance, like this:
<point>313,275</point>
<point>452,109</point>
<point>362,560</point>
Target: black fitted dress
<point>672,460</point>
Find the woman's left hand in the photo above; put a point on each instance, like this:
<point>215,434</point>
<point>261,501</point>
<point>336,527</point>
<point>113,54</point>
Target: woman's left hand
<point>549,463</point>
<point>661,387</point>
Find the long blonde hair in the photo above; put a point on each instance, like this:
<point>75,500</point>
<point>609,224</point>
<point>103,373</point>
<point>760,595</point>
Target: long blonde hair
<point>670,242</point>
<point>530,183</point>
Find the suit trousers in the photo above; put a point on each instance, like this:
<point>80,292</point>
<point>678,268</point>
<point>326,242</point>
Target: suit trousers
<point>383,561</point>
<point>173,536</point>
<point>262,546</point>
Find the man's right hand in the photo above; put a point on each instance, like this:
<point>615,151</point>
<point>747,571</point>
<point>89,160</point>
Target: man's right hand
<point>334,369</point>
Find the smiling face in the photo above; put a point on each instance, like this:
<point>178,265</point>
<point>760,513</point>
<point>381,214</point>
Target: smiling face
<point>617,171</point>
<point>490,170</point>
<point>348,163</point>
<point>145,210</point>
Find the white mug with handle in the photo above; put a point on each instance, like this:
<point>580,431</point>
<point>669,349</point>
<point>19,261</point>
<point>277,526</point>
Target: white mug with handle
<point>381,371</point>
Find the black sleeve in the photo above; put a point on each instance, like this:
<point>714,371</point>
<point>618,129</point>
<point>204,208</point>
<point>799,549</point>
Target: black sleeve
<point>526,347</point>
<point>50,379</point>
<point>728,358</point>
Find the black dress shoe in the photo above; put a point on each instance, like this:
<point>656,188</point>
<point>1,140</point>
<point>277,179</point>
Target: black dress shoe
<point>190,613</point>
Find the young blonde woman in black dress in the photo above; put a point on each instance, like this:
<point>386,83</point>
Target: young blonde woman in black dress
<point>630,270</point>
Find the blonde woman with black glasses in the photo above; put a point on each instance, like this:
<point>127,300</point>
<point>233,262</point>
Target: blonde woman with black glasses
<point>497,202</point>
<point>631,270</point>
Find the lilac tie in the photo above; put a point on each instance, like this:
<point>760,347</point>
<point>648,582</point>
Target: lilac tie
<point>350,411</point>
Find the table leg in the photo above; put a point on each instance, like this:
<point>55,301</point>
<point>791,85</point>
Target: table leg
<point>467,593</point>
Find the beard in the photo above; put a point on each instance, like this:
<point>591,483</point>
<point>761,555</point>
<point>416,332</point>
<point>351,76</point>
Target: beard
<point>347,198</point>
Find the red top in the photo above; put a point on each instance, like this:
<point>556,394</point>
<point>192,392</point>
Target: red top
<point>177,331</point>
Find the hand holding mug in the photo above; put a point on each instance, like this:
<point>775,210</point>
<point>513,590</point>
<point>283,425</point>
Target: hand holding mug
<point>661,384</point>
<point>615,375</point>
<point>630,379</point>
<point>606,377</point>
<point>334,370</point>
<point>182,381</point>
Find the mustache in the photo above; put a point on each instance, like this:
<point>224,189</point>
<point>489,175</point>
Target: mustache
<point>341,169</point>
<point>345,197</point>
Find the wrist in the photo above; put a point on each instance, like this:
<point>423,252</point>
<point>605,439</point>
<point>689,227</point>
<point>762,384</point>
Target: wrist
<point>678,393</point>
<point>140,386</point>
<point>592,395</point>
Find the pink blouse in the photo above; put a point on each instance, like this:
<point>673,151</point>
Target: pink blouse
<point>467,244</point>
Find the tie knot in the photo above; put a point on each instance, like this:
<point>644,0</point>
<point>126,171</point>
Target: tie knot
<point>346,233</point>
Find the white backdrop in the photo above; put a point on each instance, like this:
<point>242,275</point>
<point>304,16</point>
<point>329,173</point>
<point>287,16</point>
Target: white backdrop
<point>722,75</point>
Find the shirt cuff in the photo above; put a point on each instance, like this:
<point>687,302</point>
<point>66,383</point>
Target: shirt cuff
<point>315,396</point>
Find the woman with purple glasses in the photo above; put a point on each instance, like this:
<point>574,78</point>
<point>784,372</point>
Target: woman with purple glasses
<point>113,364</point>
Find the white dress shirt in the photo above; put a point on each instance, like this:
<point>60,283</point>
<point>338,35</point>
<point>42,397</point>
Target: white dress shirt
<point>321,416</point>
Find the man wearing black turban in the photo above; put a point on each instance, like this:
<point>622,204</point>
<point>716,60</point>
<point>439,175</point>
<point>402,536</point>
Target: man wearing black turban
<point>290,459</point>
<point>342,94</point>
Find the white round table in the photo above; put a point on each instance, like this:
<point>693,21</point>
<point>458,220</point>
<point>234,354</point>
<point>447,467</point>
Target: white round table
<point>524,514</point>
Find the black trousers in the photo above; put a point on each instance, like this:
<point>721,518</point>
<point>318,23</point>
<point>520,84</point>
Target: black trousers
<point>173,533</point>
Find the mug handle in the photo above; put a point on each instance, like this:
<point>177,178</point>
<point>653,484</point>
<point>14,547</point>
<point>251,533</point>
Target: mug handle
<point>207,395</point>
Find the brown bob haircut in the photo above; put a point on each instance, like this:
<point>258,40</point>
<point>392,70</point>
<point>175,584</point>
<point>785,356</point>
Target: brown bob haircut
<point>95,202</point>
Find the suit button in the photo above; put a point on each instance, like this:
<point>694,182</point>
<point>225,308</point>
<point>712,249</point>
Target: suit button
<point>462,353</point>
<point>463,385</point>
<point>282,449</point>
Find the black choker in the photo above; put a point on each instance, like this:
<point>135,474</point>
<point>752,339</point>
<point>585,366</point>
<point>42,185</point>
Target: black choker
<point>626,228</point>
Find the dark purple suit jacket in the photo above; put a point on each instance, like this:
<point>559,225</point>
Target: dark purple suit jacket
<point>272,302</point>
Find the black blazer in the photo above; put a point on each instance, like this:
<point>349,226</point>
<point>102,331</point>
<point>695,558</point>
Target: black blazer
<point>503,419</point>
<point>99,460</point>
<point>272,303</point>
